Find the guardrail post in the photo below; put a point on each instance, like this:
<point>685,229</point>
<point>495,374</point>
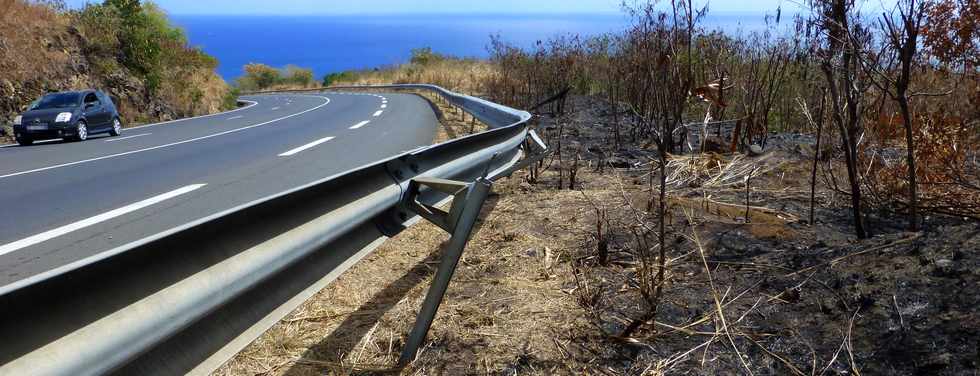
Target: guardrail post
<point>459,221</point>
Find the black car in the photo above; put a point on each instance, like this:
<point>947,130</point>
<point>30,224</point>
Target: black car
<point>71,115</point>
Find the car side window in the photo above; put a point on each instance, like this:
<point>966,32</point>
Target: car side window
<point>91,98</point>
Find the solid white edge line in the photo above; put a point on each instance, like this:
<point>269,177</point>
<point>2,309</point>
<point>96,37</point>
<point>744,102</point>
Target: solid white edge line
<point>250,105</point>
<point>376,114</point>
<point>307,146</point>
<point>361,124</point>
<point>165,145</point>
<point>35,142</point>
<point>114,139</point>
<point>56,232</point>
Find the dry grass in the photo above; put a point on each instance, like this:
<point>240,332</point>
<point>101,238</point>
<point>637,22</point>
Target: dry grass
<point>464,76</point>
<point>29,27</point>
<point>531,298</point>
<point>194,93</point>
<point>507,308</point>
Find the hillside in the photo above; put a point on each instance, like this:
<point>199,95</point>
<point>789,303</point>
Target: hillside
<point>123,47</point>
<point>822,218</point>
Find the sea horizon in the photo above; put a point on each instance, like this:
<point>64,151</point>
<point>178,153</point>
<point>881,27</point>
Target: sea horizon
<point>328,43</point>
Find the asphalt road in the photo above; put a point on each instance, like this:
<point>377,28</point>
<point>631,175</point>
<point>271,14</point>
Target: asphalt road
<point>62,202</point>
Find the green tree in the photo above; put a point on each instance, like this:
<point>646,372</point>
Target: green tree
<point>261,75</point>
<point>424,56</point>
<point>299,76</point>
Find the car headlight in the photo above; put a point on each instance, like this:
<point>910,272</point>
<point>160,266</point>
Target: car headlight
<point>18,119</point>
<point>63,117</point>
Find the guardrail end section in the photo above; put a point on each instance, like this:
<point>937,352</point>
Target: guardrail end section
<point>535,150</point>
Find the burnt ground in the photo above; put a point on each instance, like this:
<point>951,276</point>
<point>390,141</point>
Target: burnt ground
<point>541,291</point>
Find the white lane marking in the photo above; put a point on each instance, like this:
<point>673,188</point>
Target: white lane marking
<point>250,105</point>
<point>236,117</point>
<point>376,114</point>
<point>307,146</point>
<point>384,106</point>
<point>361,124</point>
<point>54,233</point>
<point>274,109</point>
<point>127,137</point>
<point>35,142</point>
<point>166,145</point>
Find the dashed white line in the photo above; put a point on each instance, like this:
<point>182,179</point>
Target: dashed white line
<point>274,109</point>
<point>384,106</point>
<point>236,117</point>
<point>361,124</point>
<point>165,145</point>
<point>127,137</point>
<point>54,233</point>
<point>376,114</point>
<point>307,146</point>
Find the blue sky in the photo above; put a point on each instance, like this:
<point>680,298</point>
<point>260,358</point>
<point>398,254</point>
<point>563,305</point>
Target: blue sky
<point>295,7</point>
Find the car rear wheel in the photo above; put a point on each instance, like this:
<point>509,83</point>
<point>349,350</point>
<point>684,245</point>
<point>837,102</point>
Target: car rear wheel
<point>116,127</point>
<point>24,141</point>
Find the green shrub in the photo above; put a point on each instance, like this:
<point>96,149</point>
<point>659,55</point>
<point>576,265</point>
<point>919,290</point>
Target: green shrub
<point>425,56</point>
<point>333,78</point>
<point>230,100</point>
<point>259,76</point>
<point>298,76</point>
<point>143,34</point>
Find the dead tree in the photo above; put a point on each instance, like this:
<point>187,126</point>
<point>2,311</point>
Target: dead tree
<point>841,67</point>
<point>902,36</point>
<point>662,49</point>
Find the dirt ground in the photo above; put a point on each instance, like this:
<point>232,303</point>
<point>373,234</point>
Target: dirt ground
<point>542,290</point>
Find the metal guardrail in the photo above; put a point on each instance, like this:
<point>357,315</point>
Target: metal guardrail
<point>186,300</point>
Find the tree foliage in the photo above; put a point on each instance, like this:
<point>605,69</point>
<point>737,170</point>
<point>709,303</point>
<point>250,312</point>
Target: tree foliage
<point>261,76</point>
<point>952,31</point>
<point>148,44</point>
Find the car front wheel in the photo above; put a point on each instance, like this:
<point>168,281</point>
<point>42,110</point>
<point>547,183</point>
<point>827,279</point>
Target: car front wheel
<point>116,127</point>
<point>24,141</point>
<point>81,132</point>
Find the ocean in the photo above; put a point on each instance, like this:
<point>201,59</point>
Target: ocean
<point>336,43</point>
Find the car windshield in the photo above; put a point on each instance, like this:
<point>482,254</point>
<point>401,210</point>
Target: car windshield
<point>59,100</point>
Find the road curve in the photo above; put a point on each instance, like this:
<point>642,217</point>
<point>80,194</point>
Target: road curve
<point>67,201</point>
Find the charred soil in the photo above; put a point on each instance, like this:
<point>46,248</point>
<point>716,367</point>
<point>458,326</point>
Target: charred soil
<point>553,277</point>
